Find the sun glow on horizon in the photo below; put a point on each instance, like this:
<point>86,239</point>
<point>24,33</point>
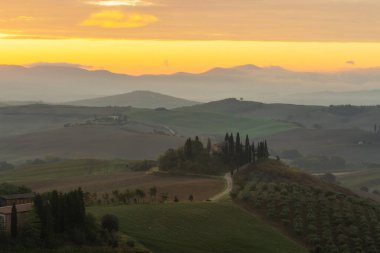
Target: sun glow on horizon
<point>139,57</point>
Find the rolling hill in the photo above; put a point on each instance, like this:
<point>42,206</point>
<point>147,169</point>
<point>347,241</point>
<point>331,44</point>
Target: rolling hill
<point>356,146</point>
<point>99,176</point>
<point>38,130</point>
<point>324,215</point>
<point>199,228</point>
<point>138,99</point>
<point>102,142</point>
<point>329,117</point>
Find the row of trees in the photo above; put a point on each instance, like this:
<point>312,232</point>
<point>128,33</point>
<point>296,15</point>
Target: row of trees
<point>325,217</point>
<point>128,197</point>
<point>235,153</point>
<point>193,157</point>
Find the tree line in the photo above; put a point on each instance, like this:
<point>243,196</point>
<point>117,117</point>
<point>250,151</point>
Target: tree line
<point>194,157</point>
<point>58,219</point>
<point>128,197</point>
<point>235,153</point>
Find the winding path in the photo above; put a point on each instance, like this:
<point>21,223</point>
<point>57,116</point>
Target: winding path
<point>227,190</point>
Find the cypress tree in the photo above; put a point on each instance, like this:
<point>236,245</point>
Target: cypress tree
<point>266,151</point>
<point>237,145</point>
<point>208,145</point>
<point>14,222</point>
<point>231,147</point>
<point>247,150</point>
<point>253,152</point>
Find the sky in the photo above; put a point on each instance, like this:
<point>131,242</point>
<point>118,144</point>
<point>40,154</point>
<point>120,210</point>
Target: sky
<point>167,36</point>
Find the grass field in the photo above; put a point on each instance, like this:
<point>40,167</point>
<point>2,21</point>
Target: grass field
<point>211,123</point>
<point>107,175</point>
<point>354,180</point>
<point>198,228</point>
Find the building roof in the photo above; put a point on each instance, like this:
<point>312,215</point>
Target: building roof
<point>17,196</point>
<point>22,208</point>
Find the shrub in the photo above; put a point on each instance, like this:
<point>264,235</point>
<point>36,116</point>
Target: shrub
<point>130,243</point>
<point>110,223</point>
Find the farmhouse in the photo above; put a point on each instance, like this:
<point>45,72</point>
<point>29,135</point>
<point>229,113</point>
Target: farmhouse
<point>23,212</point>
<point>24,207</point>
<point>8,200</point>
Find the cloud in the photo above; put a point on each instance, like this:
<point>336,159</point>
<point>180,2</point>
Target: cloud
<point>119,19</point>
<point>24,18</point>
<point>19,18</point>
<point>350,62</point>
<point>121,3</point>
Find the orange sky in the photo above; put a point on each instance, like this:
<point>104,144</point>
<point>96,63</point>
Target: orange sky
<point>166,36</point>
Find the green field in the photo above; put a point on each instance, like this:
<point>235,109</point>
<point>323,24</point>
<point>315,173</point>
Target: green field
<point>211,123</point>
<point>63,169</point>
<point>198,228</point>
<point>355,180</point>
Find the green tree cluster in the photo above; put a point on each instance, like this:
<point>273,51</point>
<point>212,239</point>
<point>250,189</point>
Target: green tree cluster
<point>193,157</point>
<point>63,215</point>
<point>236,154</point>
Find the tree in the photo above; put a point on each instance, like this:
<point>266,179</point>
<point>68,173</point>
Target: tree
<point>153,192</point>
<point>110,223</point>
<point>231,147</point>
<point>208,145</point>
<point>140,194</point>
<point>238,150</point>
<point>14,223</point>
<point>266,150</point>
<point>253,151</point>
<point>247,150</point>
<point>164,197</point>
<point>188,150</point>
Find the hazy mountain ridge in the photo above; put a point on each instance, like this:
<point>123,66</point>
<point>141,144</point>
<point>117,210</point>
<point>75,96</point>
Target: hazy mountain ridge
<point>138,99</point>
<point>60,84</point>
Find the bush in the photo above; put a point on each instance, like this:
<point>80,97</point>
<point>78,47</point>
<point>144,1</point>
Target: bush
<point>77,236</point>
<point>110,223</point>
<point>131,243</point>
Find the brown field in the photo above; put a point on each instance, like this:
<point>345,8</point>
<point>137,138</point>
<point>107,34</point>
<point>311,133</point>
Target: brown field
<point>101,142</point>
<point>182,186</point>
<point>107,175</point>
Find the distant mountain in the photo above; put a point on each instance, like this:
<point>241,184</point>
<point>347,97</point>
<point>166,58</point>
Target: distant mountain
<point>61,83</point>
<point>138,99</point>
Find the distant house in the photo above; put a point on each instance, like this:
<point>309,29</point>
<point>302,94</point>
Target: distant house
<point>9,200</point>
<point>23,204</point>
<point>23,212</point>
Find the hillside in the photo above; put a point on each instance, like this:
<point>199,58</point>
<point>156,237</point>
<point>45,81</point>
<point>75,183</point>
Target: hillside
<point>198,228</point>
<point>38,130</point>
<point>354,145</point>
<point>102,142</point>
<point>328,117</point>
<point>324,216</point>
<point>99,176</point>
<point>138,99</point>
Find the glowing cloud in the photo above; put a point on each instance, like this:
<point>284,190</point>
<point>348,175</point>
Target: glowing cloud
<point>119,19</point>
<point>121,3</point>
